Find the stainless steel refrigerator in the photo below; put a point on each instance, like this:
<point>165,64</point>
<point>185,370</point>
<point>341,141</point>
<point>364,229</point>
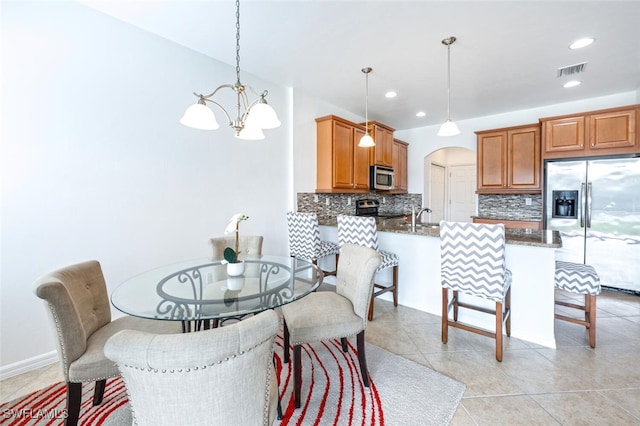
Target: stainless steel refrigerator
<point>595,204</point>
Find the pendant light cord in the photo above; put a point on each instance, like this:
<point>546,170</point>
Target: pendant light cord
<point>449,82</point>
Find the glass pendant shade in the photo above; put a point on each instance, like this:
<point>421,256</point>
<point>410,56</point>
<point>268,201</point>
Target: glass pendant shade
<point>449,128</point>
<point>199,116</point>
<point>250,133</point>
<point>262,116</point>
<point>366,141</point>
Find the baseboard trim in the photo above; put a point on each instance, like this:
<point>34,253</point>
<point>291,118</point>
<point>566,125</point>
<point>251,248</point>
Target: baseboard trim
<point>28,364</point>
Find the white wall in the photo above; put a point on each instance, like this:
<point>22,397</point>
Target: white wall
<point>96,166</point>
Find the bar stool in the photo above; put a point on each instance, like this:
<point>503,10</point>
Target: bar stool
<point>472,262</point>
<point>580,279</point>
<point>362,230</point>
<point>304,239</point>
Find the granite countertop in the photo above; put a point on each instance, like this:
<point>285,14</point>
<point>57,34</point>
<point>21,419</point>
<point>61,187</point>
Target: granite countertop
<point>524,237</point>
<point>508,218</point>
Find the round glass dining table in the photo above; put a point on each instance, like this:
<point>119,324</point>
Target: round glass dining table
<point>200,289</point>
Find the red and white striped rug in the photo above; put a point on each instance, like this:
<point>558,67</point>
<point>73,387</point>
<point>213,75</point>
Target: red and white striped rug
<point>400,393</point>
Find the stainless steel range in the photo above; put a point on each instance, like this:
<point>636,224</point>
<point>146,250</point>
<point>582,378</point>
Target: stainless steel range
<point>371,207</point>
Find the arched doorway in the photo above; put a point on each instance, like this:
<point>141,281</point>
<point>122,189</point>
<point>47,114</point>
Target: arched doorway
<point>450,184</point>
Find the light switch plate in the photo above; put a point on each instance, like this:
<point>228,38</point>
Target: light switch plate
<point>527,201</point>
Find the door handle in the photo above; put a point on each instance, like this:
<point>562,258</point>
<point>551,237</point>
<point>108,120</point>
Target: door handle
<point>589,188</point>
<point>583,202</point>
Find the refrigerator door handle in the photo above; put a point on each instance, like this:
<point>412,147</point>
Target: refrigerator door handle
<point>583,202</point>
<point>589,189</point>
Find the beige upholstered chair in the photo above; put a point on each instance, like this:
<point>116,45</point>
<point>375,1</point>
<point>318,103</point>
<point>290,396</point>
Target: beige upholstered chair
<point>79,305</point>
<point>250,246</point>
<point>328,315</point>
<point>222,376</point>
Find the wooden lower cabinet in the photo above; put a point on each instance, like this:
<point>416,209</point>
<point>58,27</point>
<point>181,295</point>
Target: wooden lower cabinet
<point>605,132</point>
<point>518,224</point>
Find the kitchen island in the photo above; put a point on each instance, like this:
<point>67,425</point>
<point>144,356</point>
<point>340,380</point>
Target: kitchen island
<point>529,256</point>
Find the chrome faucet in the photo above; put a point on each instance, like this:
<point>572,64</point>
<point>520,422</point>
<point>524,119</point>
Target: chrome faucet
<point>416,215</point>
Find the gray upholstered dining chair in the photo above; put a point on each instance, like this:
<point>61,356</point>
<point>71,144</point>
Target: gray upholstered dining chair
<point>362,230</point>
<point>472,262</point>
<point>78,302</point>
<point>222,376</point>
<point>328,315</point>
<point>304,239</point>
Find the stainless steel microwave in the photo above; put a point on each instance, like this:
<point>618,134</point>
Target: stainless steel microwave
<point>381,178</point>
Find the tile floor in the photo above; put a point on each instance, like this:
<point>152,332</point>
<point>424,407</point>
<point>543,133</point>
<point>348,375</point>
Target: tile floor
<point>571,385</point>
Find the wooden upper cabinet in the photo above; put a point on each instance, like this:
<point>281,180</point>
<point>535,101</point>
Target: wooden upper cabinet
<point>492,161</point>
<point>382,153</point>
<point>509,160</point>
<point>400,160</point>
<point>360,162</point>
<point>523,158</point>
<point>342,166</point>
<point>604,132</point>
<point>343,142</point>
<point>564,134</point>
<point>613,130</point>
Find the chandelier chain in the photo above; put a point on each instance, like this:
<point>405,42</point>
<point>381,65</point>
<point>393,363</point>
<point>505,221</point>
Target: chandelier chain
<point>238,42</point>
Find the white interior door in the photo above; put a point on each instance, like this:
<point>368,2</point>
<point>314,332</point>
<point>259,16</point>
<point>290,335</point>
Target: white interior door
<point>462,190</point>
<point>438,193</point>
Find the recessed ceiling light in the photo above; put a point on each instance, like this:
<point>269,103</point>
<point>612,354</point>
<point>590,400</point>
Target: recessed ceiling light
<point>572,83</point>
<point>391,94</point>
<point>421,114</point>
<point>583,42</point>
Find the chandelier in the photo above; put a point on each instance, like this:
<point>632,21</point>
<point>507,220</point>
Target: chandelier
<point>250,117</point>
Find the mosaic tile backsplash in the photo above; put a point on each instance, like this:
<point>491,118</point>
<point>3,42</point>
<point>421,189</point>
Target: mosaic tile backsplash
<point>330,205</point>
<point>511,206</point>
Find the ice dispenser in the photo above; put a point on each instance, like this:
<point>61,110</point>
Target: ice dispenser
<point>565,204</point>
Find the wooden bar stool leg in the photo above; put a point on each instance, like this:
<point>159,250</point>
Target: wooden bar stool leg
<point>395,285</point>
<point>499,331</point>
<point>507,307</point>
<point>445,315</point>
<point>455,305</point>
<point>591,302</point>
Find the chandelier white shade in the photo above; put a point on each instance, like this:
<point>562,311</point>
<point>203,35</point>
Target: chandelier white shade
<point>449,128</point>
<point>366,141</point>
<point>251,117</point>
<point>199,116</point>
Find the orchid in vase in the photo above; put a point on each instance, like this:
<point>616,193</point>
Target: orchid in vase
<point>231,255</point>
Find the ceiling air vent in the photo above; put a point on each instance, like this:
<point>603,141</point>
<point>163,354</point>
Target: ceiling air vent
<point>572,69</point>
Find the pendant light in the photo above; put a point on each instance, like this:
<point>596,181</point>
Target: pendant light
<point>251,117</point>
<point>449,128</point>
<point>366,141</point>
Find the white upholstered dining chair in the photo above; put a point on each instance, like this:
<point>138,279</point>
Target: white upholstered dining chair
<point>222,376</point>
<point>78,303</point>
<point>326,315</point>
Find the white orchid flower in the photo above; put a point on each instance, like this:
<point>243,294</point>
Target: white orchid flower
<point>233,222</point>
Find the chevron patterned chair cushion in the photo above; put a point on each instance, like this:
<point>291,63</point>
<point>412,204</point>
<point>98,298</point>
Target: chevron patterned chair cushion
<point>304,237</point>
<point>362,230</point>
<point>577,278</point>
<point>473,259</point>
